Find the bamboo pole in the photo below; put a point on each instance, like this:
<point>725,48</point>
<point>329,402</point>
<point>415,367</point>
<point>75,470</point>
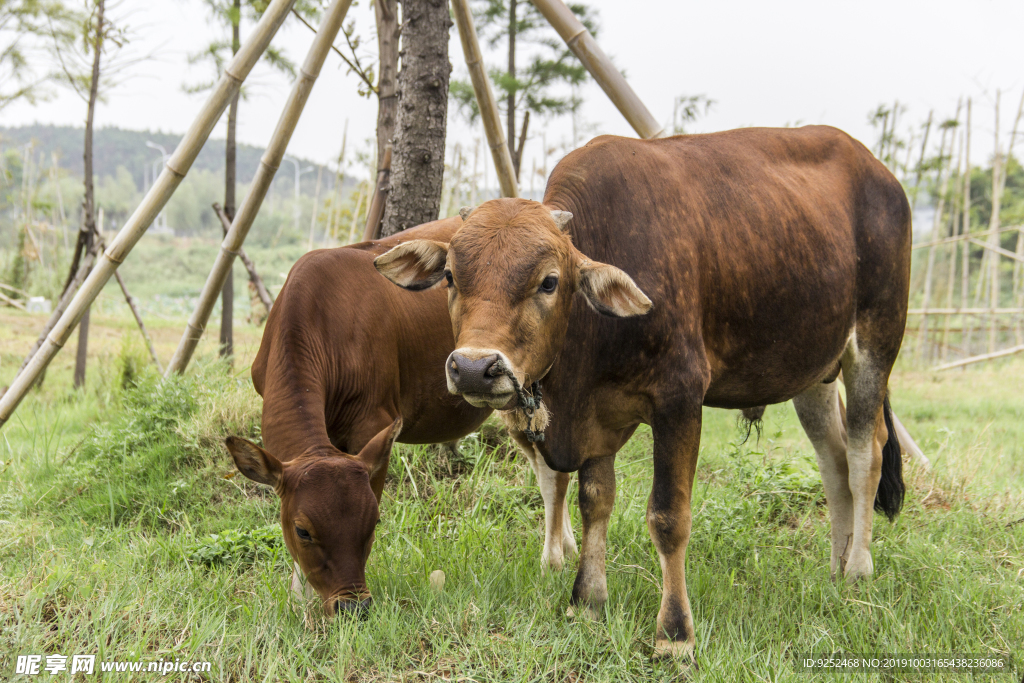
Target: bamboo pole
<point>920,161</point>
<point>586,49</point>
<point>316,202</point>
<point>962,237</point>
<point>355,216</point>
<point>929,270</point>
<point>965,230</point>
<point>978,359</point>
<point>14,289</point>
<point>485,99</point>
<point>254,277</point>
<point>993,228</point>
<point>375,212</point>
<point>996,250</point>
<point>12,302</point>
<point>269,163</point>
<point>1017,282</point>
<point>963,311</point>
<point>951,279</point>
<point>138,319</point>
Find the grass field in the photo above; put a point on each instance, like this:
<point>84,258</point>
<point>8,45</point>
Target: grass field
<point>123,534</point>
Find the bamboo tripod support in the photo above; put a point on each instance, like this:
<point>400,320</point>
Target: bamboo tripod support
<point>485,99</point>
<point>254,277</point>
<point>269,163</point>
<point>154,201</point>
<point>586,49</point>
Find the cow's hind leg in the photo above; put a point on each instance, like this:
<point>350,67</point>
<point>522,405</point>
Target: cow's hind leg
<point>866,376</point>
<point>821,415</point>
<point>597,497</point>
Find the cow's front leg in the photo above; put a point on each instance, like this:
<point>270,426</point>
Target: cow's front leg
<point>558,536</point>
<point>597,497</point>
<point>676,445</point>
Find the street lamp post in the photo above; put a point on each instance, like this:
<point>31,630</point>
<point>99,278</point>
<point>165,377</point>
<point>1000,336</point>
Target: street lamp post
<point>161,219</point>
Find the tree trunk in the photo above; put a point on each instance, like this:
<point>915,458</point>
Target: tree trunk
<point>227,296</point>
<point>417,167</point>
<point>387,95</point>
<point>510,104</point>
<point>89,202</point>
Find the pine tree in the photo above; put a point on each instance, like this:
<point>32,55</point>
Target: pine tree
<point>538,69</point>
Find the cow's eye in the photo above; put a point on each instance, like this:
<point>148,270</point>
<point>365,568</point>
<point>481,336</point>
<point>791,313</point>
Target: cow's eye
<point>448,277</point>
<point>303,534</point>
<point>548,284</point>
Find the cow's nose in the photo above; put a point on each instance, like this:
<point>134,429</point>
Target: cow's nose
<point>472,375</point>
<point>353,608</point>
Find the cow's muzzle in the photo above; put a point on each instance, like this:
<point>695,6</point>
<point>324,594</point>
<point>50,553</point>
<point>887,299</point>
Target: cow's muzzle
<point>353,608</point>
<point>480,380</point>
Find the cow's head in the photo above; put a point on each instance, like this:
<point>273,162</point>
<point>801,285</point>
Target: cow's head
<point>511,273</point>
<point>329,511</point>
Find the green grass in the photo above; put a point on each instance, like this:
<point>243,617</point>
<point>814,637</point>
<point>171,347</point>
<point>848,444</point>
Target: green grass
<point>122,534</point>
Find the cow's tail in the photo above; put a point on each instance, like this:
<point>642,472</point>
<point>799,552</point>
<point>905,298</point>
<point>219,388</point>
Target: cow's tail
<point>891,489</point>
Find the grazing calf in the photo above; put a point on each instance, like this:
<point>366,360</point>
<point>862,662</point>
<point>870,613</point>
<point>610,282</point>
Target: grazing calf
<point>764,261</point>
<point>348,365</point>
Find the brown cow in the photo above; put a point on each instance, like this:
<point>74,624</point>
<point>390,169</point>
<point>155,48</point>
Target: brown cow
<point>765,260</point>
<point>348,364</point>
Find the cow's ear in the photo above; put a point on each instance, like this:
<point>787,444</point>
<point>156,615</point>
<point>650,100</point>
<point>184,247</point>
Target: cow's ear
<point>609,291</point>
<point>377,453</point>
<point>414,265</point>
<point>254,462</point>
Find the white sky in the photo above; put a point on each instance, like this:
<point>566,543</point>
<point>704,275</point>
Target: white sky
<point>765,63</point>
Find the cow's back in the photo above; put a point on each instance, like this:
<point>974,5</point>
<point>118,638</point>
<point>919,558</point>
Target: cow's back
<point>746,241</point>
<point>344,352</point>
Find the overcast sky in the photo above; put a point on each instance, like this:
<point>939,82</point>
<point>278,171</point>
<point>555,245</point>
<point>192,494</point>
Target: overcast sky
<point>764,63</point>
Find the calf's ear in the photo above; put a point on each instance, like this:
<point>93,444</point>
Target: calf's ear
<point>414,265</point>
<point>377,453</point>
<point>609,291</point>
<point>254,462</point>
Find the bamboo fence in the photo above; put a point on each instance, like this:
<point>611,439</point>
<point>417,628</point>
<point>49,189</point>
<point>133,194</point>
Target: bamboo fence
<point>958,253</point>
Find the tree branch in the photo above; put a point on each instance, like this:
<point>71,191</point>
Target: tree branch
<point>356,68</point>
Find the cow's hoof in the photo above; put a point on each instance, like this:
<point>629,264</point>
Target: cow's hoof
<point>859,567</point>
<point>569,548</point>
<point>677,650</point>
<point>586,612</point>
<point>551,563</point>
<point>680,651</point>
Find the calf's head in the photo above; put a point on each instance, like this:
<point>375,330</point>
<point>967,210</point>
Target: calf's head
<point>511,272</point>
<point>329,511</point>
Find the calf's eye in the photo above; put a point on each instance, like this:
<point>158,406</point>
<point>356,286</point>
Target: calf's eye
<point>303,534</point>
<point>548,284</point>
<point>448,277</point>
